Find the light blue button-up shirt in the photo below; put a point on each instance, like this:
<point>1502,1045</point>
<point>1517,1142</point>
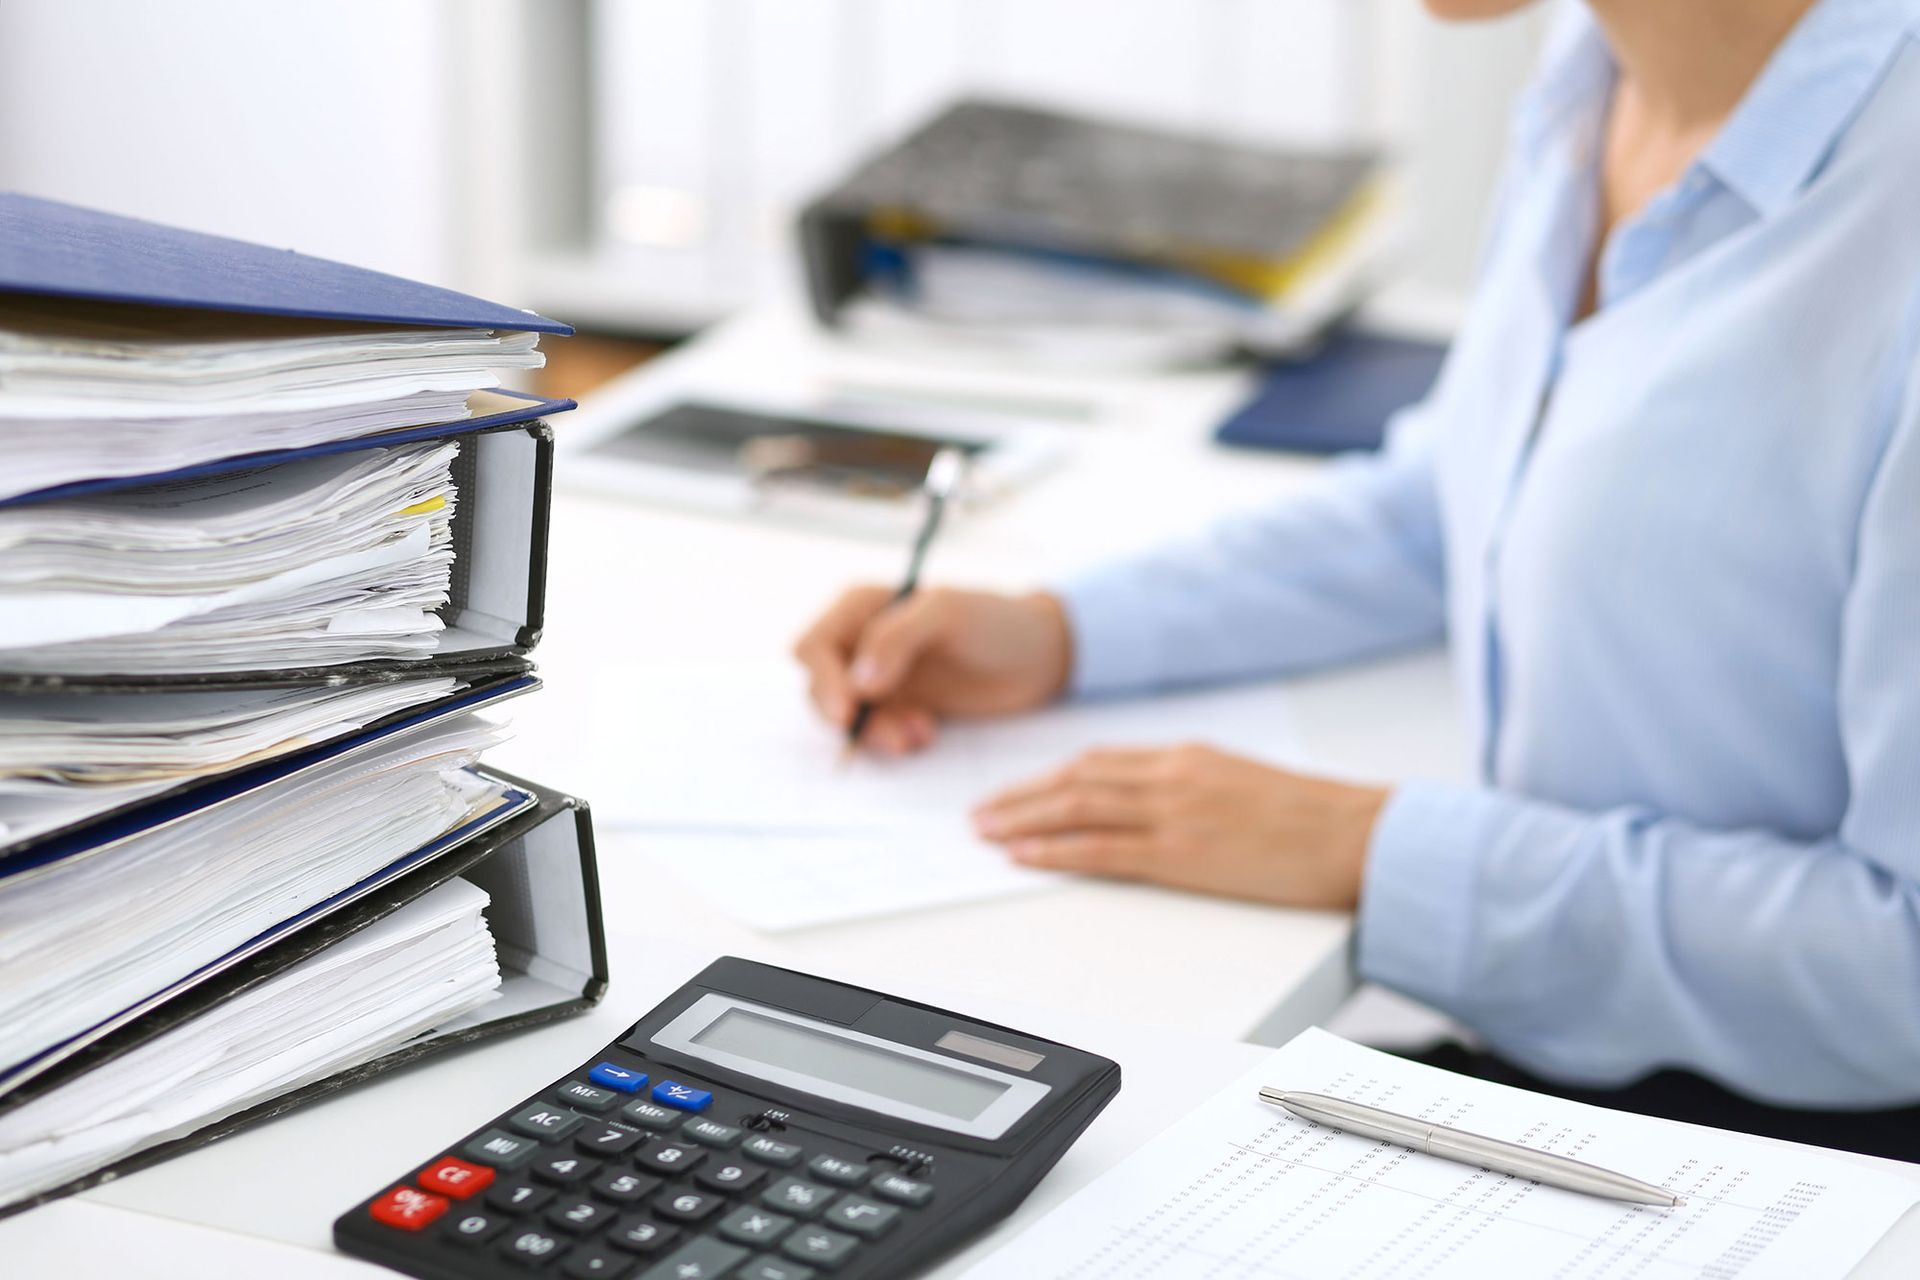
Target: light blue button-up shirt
<point>1676,550</point>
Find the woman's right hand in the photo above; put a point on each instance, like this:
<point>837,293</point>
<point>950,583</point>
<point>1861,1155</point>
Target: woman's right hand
<point>938,653</point>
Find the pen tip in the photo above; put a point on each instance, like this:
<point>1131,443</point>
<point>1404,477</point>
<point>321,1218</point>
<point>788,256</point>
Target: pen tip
<point>847,753</point>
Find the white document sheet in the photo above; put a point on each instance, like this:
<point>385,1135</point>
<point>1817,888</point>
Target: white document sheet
<point>778,880</point>
<point>1243,1189</point>
<point>89,390</point>
<point>82,359</point>
<point>740,783</point>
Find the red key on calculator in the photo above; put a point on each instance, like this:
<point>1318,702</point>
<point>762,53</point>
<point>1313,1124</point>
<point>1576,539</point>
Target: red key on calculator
<point>407,1208</point>
<point>456,1178</point>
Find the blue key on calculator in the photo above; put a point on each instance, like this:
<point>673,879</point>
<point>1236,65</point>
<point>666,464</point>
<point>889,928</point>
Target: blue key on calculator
<point>683,1097</point>
<point>608,1076</point>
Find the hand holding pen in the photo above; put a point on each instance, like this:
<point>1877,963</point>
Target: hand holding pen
<point>943,477</point>
<point>916,656</point>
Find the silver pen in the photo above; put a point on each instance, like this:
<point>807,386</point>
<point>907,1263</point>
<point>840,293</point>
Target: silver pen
<point>1468,1148</point>
<point>944,472</point>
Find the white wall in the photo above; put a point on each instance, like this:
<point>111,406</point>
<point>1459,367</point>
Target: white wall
<point>1443,98</point>
<point>433,137</point>
<point>317,126</point>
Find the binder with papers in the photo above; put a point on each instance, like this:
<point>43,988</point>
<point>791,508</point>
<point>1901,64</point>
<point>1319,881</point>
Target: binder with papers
<point>480,524</point>
<point>222,871</point>
<point>67,760</point>
<point>63,820</point>
<point>132,348</point>
<point>272,554</point>
<point>537,874</point>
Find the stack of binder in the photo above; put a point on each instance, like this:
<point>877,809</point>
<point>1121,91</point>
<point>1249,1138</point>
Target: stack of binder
<point>1018,230</point>
<point>272,543</point>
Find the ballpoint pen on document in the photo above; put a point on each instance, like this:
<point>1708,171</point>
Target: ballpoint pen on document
<point>943,477</point>
<point>1468,1148</point>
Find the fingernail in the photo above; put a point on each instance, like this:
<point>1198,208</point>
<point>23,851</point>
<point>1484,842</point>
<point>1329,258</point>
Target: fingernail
<point>1024,850</point>
<point>989,824</point>
<point>866,673</point>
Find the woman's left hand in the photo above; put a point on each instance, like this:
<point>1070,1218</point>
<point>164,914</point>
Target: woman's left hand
<point>1193,818</point>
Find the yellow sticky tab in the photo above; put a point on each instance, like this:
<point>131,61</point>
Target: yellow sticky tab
<point>424,508</point>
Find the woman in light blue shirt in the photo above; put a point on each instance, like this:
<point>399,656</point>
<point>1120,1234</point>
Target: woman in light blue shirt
<point>1665,505</point>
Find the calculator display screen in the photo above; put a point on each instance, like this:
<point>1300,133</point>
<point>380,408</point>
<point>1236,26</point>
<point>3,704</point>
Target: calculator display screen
<point>868,1068</point>
<point>786,1051</point>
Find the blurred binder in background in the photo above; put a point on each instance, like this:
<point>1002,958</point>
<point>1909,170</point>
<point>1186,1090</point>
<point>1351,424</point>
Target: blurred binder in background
<point>1070,239</point>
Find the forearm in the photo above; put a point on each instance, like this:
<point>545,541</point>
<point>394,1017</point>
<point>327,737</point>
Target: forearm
<point>1349,570</point>
<point>1599,947</point>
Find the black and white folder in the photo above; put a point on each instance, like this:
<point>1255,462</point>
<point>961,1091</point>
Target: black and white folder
<point>101,276</point>
<point>538,870</point>
<point>29,869</point>
<point>103,829</point>
<point>503,475</point>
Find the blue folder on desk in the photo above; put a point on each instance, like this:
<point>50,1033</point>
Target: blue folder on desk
<point>65,251</point>
<point>1337,400</point>
<point>60,250</point>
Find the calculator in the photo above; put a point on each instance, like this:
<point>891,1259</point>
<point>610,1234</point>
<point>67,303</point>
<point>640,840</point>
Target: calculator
<point>759,1124</point>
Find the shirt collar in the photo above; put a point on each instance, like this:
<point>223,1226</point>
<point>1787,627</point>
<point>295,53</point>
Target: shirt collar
<point>1785,126</point>
<point>1808,93</point>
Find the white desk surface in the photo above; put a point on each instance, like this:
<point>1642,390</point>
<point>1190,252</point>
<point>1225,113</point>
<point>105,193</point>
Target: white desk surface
<point>287,1181</point>
<point>1162,982</point>
<point>637,584</point>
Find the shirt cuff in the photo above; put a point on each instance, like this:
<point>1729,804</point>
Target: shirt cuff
<point>1113,651</point>
<point>1415,926</point>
